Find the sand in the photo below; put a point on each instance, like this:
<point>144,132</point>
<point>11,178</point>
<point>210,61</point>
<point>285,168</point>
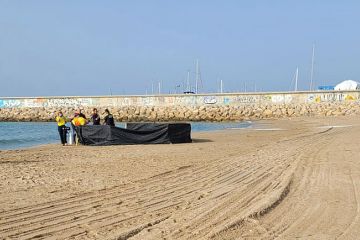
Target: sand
<point>299,181</point>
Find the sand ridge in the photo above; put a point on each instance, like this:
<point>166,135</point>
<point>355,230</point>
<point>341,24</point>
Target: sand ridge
<point>301,182</point>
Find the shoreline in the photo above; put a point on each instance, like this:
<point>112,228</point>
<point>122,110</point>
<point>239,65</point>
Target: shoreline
<point>196,127</point>
<point>255,125</point>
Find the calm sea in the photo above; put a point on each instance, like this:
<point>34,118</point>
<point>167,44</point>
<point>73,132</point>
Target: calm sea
<point>15,135</point>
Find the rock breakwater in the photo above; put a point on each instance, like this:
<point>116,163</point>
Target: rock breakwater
<point>216,113</point>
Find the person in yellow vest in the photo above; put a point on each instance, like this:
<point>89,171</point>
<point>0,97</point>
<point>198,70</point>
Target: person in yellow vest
<point>61,121</point>
<point>78,120</point>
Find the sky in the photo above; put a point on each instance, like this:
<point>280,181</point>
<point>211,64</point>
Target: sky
<point>85,47</point>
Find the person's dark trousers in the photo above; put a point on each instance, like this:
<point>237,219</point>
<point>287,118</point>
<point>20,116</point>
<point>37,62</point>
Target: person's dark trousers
<point>74,132</point>
<point>62,133</point>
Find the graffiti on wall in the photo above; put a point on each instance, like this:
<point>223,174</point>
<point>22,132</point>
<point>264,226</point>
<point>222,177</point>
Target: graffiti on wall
<point>147,101</point>
<point>331,97</point>
<point>18,103</point>
<point>38,102</point>
<point>246,99</point>
<point>281,98</point>
<point>189,100</point>
<point>10,103</point>
<point>68,102</point>
<point>209,100</point>
<point>350,97</point>
<point>226,100</point>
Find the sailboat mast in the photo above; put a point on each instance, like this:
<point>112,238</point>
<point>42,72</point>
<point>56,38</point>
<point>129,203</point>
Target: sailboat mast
<point>196,75</point>
<point>296,78</point>
<point>312,67</point>
<point>188,87</point>
<point>221,86</point>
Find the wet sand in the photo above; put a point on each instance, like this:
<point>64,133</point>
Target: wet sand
<point>301,181</point>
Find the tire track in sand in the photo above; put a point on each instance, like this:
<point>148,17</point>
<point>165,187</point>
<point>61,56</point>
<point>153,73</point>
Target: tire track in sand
<point>323,202</point>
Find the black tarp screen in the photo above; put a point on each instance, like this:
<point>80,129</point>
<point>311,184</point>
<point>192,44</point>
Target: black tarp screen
<point>135,133</point>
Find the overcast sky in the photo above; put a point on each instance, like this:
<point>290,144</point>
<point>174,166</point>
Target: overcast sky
<point>88,47</point>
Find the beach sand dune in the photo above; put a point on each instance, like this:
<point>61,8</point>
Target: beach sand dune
<point>302,182</point>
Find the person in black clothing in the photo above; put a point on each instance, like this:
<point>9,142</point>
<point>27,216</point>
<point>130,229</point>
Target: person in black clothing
<point>109,119</point>
<point>95,118</point>
<point>81,114</point>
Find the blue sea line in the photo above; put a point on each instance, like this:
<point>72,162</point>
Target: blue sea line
<point>17,135</point>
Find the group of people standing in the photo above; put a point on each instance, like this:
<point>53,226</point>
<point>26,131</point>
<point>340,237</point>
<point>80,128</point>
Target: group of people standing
<point>80,119</point>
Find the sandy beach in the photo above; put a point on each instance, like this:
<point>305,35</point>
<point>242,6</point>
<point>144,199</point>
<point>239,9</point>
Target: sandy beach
<point>300,180</point>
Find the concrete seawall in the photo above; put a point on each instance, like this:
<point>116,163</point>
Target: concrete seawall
<point>200,107</point>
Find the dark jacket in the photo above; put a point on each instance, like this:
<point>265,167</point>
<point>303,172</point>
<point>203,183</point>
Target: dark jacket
<point>109,120</point>
<point>95,119</point>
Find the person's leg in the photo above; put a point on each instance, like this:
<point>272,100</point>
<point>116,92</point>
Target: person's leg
<point>73,132</point>
<point>64,134</point>
<point>61,133</point>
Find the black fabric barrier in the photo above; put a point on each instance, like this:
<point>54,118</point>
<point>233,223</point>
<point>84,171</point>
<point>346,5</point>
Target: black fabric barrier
<point>135,133</point>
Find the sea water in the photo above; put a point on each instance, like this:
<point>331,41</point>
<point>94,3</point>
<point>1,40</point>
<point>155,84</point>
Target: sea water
<point>16,135</point>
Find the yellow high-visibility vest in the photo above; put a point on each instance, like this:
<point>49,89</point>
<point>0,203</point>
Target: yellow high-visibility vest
<point>79,121</point>
<point>60,121</point>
